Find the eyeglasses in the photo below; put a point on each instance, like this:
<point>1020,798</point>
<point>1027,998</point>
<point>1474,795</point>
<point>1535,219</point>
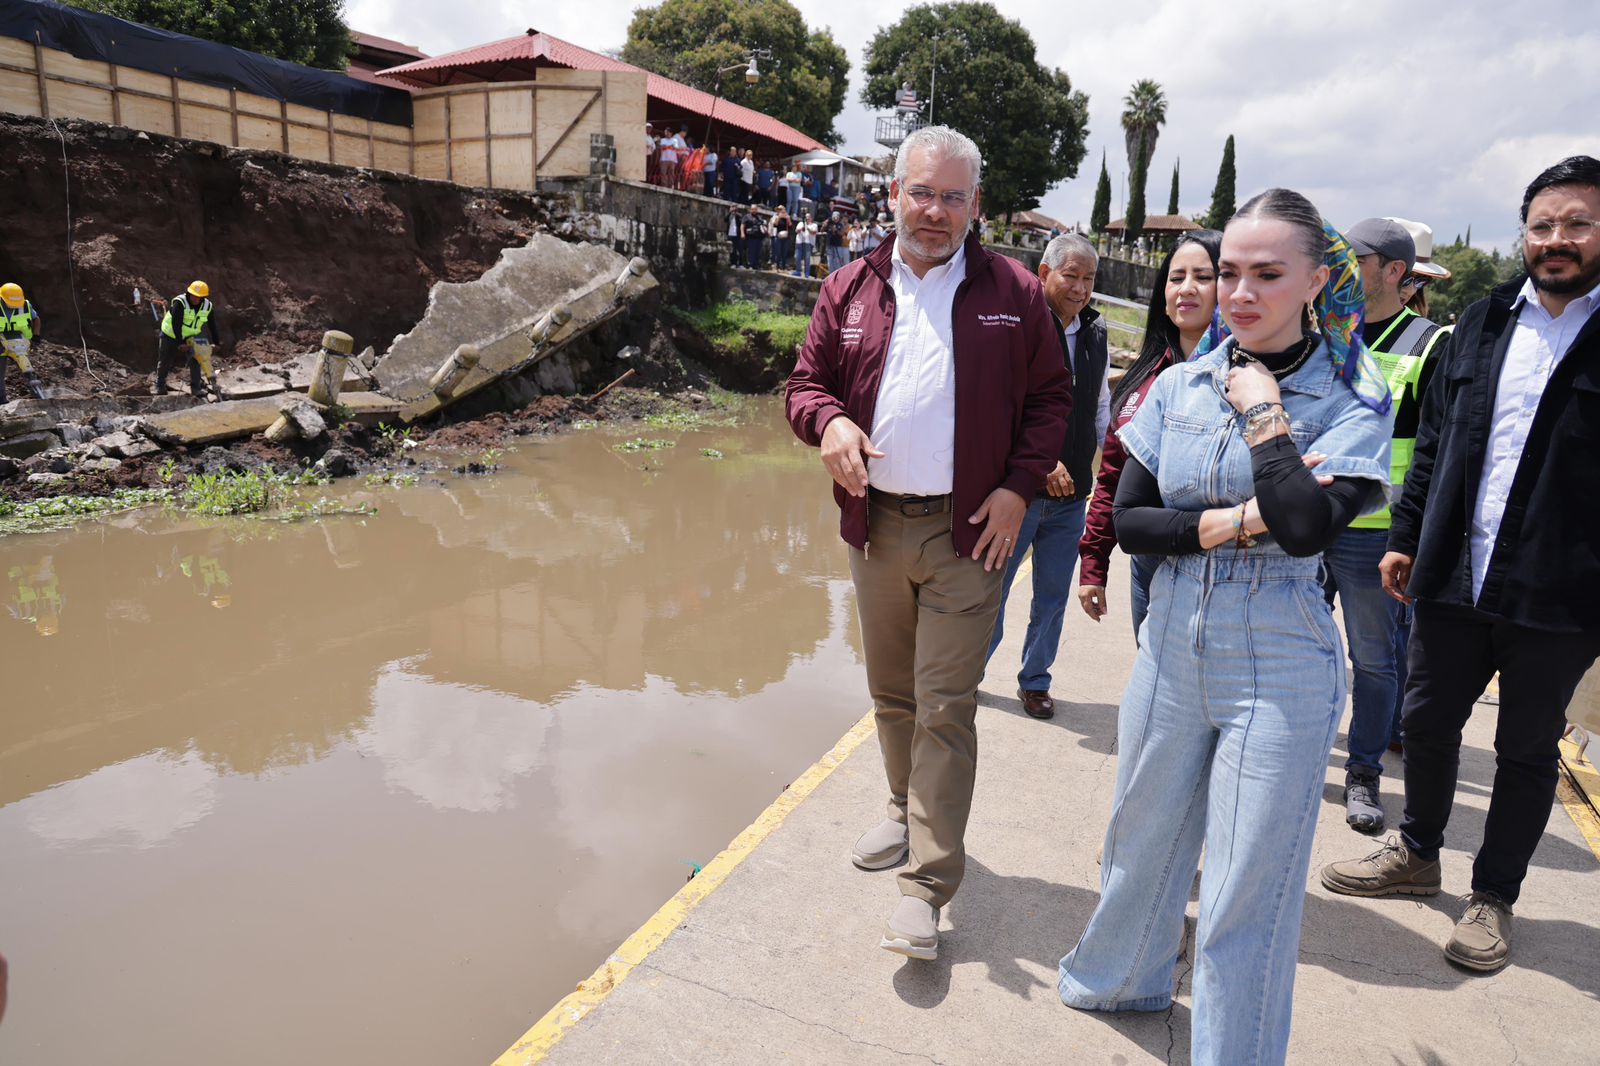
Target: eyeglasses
<point>1415,282</point>
<point>1577,230</point>
<point>922,196</point>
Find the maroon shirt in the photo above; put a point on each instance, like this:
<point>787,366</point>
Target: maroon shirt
<point>1094,549</point>
<point>1013,392</point>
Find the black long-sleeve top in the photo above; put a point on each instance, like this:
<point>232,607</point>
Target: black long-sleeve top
<point>1302,516</point>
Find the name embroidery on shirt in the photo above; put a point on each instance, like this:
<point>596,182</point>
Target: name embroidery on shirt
<point>1011,321</point>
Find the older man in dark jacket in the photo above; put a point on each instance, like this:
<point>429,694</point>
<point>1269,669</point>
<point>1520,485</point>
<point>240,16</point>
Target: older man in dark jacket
<point>1495,539</point>
<point>934,382</point>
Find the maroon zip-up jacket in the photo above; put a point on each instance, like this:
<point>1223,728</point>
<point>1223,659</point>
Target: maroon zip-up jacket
<point>1013,390</point>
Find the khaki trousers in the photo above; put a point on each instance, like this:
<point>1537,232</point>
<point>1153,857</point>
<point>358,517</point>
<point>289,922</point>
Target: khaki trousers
<point>926,619</point>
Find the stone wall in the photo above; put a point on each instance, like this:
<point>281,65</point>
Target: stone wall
<point>769,290</point>
<point>683,235</point>
<point>1115,277</point>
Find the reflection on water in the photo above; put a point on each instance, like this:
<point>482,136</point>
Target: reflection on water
<point>408,778</point>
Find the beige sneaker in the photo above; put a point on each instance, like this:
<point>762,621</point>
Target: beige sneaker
<point>913,930</point>
<point>882,846</point>
<point>1482,940</point>
<point>1390,871</point>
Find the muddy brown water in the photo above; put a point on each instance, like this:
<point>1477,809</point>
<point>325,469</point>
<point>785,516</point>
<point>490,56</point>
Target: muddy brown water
<point>383,790</point>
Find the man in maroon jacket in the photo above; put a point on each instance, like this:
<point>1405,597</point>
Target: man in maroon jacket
<point>947,356</point>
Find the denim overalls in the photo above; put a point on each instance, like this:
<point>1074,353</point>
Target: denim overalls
<point>1224,731</point>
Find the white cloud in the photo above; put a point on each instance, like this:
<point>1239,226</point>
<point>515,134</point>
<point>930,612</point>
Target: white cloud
<point>1438,113</point>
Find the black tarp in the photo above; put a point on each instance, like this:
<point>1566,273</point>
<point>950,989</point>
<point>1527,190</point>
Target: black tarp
<point>88,35</point>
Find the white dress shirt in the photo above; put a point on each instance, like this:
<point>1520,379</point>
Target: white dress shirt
<point>914,425</point>
<point>1102,408</point>
<point>1538,344</point>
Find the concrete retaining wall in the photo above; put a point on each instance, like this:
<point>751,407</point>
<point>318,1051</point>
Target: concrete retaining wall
<point>769,290</point>
<point>1115,277</point>
<point>681,234</point>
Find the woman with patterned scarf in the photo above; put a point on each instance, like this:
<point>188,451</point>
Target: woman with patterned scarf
<point>1225,728</point>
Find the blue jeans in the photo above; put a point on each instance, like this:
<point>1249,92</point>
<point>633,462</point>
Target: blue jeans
<point>781,256</point>
<point>1141,569</point>
<point>793,194</point>
<point>1372,624</point>
<point>1222,741</point>
<point>802,259</point>
<point>1052,527</point>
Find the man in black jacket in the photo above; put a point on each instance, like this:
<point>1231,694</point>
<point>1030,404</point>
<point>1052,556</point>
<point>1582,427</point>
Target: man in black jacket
<point>1056,516</point>
<point>1495,539</point>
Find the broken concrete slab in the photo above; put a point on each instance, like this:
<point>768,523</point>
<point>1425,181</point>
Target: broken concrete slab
<point>100,466</point>
<point>507,300</point>
<point>248,382</point>
<point>301,368</point>
<point>230,419</point>
<point>23,422</point>
<point>29,444</point>
<point>122,445</point>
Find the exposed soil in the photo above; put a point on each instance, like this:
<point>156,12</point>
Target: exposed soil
<point>290,248</point>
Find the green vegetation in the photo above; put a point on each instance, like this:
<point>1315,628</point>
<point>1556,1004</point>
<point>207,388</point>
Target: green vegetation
<point>42,516</point>
<point>1222,205</point>
<point>1100,216</point>
<point>1025,117</point>
<point>644,444</point>
<point>1172,197</point>
<point>311,32</point>
<point>1144,112</point>
<point>802,83</point>
<point>1136,212</point>
<point>711,453</point>
<point>730,326</point>
<point>392,479</point>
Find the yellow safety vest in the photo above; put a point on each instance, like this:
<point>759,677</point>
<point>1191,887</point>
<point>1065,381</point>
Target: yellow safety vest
<point>18,321</point>
<point>194,320</point>
<point>1401,360</point>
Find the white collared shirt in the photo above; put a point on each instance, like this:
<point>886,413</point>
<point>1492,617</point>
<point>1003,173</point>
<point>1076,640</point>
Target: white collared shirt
<point>914,424</point>
<point>1538,344</point>
<point>1102,407</point>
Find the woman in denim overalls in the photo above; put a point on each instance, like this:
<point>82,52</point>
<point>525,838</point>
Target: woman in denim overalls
<point>1225,728</point>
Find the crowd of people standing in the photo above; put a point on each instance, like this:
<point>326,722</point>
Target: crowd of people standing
<point>1293,431</point>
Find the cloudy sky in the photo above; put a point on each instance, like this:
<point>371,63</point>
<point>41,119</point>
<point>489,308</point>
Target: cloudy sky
<point>1438,112</point>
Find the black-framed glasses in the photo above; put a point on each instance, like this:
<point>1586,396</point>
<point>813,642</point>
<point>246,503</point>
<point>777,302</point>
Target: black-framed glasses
<point>1417,282</point>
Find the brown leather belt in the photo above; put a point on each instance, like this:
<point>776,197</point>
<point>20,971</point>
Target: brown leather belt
<point>911,506</point>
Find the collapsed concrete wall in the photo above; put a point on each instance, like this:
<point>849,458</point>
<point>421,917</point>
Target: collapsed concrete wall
<point>289,247</point>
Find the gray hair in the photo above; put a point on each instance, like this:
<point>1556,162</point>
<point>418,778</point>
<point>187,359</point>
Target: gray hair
<point>1059,248</point>
<point>943,142</point>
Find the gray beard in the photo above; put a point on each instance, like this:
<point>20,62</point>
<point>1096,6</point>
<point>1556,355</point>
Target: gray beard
<point>922,251</point>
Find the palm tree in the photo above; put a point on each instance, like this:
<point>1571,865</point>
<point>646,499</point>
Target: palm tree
<point>1144,112</point>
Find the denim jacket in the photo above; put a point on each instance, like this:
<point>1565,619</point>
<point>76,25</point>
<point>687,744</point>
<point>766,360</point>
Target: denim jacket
<point>1188,435</point>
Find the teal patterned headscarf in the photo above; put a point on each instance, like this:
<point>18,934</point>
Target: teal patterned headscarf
<point>1340,309</point>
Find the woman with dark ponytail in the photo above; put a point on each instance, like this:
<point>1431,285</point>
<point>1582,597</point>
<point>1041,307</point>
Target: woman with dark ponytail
<point>1181,309</point>
<point>1225,728</point>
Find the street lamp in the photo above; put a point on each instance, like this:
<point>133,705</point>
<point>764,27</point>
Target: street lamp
<point>752,74</point>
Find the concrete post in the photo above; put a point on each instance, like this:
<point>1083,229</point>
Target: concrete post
<point>327,378</point>
<point>453,370</point>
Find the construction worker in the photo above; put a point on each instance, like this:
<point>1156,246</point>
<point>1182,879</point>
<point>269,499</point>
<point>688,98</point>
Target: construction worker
<point>19,325</point>
<point>37,597</point>
<point>1378,627</point>
<point>189,315</point>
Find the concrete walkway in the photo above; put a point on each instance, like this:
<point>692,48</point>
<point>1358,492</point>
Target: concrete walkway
<point>780,962</point>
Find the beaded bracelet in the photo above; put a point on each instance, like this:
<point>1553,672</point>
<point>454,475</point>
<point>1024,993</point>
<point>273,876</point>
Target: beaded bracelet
<point>1240,537</point>
<point>1270,420</point>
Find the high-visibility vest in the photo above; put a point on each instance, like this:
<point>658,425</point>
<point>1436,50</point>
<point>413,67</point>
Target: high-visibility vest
<point>1400,352</point>
<point>18,321</point>
<point>194,320</point>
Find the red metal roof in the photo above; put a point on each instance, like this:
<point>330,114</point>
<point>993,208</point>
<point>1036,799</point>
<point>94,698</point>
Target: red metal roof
<point>535,47</point>
<point>384,44</point>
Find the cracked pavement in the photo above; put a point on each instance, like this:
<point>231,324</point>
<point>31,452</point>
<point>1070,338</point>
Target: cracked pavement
<point>781,964</point>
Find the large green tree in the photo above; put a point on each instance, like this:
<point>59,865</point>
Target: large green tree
<point>1472,275</point>
<point>803,83</point>
<point>1136,186</point>
<point>1222,194</point>
<point>1026,118</point>
<point>1172,198</point>
<point>1100,216</point>
<point>1144,112</point>
<point>311,32</point>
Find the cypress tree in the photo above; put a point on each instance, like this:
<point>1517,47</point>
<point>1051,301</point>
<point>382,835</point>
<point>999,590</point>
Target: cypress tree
<point>1222,205</point>
<point>1136,184</point>
<point>1100,217</point>
<point>1469,234</point>
<point>1172,200</point>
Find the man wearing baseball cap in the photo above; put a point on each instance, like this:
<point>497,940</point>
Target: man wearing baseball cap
<point>1401,341</point>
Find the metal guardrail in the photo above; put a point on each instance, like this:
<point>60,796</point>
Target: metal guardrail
<point>1121,327</point>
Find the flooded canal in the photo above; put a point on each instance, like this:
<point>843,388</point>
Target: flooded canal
<point>383,790</point>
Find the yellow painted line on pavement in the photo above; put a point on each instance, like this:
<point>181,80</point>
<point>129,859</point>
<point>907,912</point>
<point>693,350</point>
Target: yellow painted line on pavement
<point>1578,788</point>
<point>538,1041</point>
